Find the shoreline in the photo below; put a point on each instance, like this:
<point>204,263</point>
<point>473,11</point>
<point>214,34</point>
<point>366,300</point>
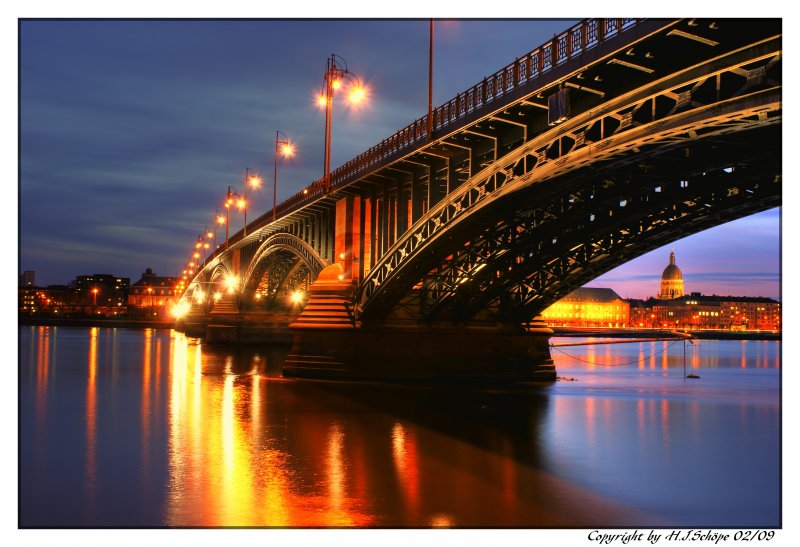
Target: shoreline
<point>93,322</point>
<point>557,331</point>
<point>649,333</point>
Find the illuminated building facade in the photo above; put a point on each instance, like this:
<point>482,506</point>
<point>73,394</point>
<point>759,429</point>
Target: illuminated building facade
<point>589,307</point>
<point>101,291</point>
<point>50,300</point>
<point>155,295</point>
<point>696,311</point>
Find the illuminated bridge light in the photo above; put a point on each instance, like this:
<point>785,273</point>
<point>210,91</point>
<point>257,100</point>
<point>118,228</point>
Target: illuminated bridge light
<point>297,297</point>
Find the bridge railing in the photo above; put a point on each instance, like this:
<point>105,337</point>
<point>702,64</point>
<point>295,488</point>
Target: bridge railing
<point>571,43</point>
<point>565,46</point>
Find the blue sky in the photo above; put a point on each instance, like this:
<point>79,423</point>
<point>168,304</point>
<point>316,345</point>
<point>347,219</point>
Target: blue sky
<point>131,132</point>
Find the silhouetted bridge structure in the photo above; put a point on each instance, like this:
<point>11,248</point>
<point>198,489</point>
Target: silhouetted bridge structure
<point>433,253</point>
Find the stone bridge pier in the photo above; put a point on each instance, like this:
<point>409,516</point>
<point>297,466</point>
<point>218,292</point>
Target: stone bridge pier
<point>330,342</point>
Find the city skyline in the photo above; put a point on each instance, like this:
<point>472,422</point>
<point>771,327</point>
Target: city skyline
<point>131,132</point>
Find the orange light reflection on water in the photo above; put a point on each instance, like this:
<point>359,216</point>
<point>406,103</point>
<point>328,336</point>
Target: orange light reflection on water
<point>406,464</point>
<point>91,418</point>
<point>226,462</point>
<point>42,374</point>
<point>145,411</point>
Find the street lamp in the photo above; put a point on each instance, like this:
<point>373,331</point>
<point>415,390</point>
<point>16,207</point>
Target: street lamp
<point>228,202</point>
<point>335,72</point>
<point>287,150</point>
<point>94,294</point>
<point>219,220</point>
<point>208,235</point>
<point>255,182</point>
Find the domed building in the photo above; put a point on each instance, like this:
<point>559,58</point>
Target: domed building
<point>671,281</point>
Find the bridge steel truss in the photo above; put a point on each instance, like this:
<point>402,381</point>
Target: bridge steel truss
<point>603,143</point>
<point>287,259</point>
<point>594,192</point>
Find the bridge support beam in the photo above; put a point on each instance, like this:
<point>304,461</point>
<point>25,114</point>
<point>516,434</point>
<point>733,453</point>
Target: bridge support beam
<point>349,245</point>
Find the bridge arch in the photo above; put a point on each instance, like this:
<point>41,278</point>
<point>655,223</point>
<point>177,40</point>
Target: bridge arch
<point>286,257</point>
<point>541,220</point>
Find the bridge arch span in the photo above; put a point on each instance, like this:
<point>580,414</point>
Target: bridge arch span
<point>672,158</point>
<point>292,257</point>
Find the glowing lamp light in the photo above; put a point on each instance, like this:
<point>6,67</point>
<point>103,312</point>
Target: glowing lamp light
<point>321,100</point>
<point>241,203</point>
<point>180,309</point>
<point>336,84</point>
<point>258,296</point>
<point>287,149</point>
<point>196,255</point>
<point>255,182</point>
<point>358,94</point>
<point>297,297</point>
<point>209,234</point>
<point>230,283</point>
<point>220,220</point>
<point>217,296</point>
<point>341,256</point>
<point>341,277</point>
<point>199,296</point>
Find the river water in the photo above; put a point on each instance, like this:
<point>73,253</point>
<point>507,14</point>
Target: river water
<point>149,428</point>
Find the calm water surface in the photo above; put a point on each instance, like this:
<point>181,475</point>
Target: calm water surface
<point>149,428</point>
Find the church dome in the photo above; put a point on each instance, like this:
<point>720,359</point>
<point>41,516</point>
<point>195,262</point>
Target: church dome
<point>671,280</point>
<point>672,272</point>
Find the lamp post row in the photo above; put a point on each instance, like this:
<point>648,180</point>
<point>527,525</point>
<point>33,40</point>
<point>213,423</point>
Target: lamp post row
<point>336,74</point>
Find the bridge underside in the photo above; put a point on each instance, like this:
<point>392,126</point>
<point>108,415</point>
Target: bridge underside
<point>534,246</point>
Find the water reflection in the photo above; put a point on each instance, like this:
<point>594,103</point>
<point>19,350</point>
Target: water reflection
<point>91,422</point>
<point>181,434</point>
<point>265,451</point>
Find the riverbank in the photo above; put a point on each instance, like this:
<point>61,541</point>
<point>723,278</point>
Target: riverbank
<point>95,322</point>
<point>658,333</point>
<point>557,331</point>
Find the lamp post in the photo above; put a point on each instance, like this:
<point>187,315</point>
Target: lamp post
<point>430,84</point>
<point>287,151</point>
<point>228,202</point>
<point>335,72</point>
<point>94,294</point>
<point>219,220</point>
<point>249,181</point>
<point>208,235</point>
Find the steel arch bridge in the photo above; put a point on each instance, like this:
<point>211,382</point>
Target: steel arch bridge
<point>616,137</point>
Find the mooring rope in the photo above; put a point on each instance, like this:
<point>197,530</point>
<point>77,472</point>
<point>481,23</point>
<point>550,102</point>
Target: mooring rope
<point>619,364</point>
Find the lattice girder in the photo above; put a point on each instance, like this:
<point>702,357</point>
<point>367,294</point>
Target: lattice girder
<point>655,117</point>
